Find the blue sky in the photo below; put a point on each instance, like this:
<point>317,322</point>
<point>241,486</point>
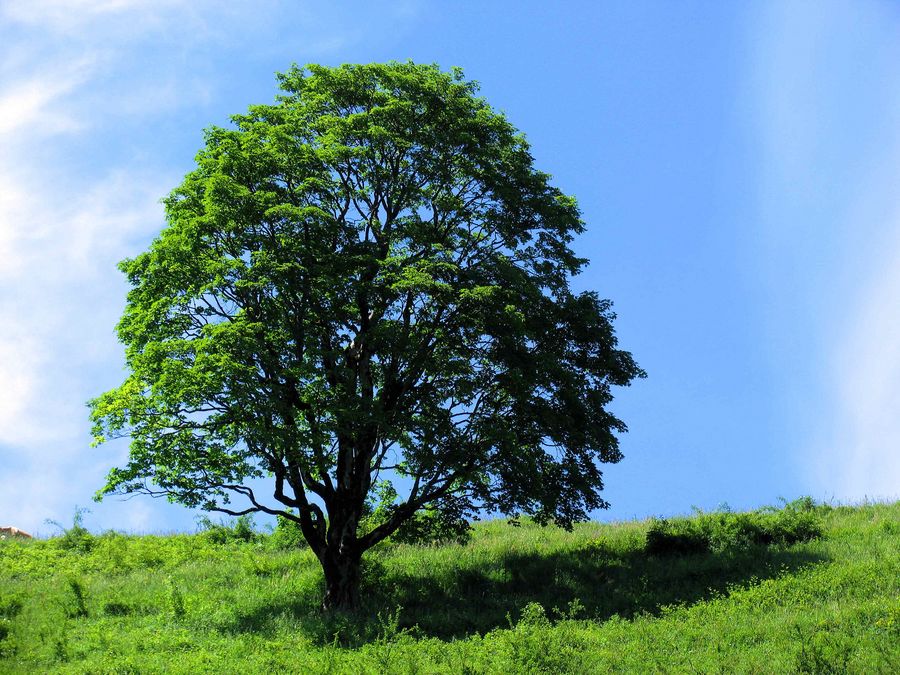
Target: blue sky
<point>737,165</point>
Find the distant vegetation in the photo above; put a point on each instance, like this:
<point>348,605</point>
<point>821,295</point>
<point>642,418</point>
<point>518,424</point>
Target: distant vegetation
<point>724,532</point>
<point>805,588</point>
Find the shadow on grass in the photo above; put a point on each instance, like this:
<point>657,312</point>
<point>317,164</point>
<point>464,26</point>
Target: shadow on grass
<point>603,583</point>
<point>476,600</point>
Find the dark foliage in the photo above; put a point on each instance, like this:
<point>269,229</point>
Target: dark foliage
<point>724,532</point>
<point>240,530</point>
<point>367,280</point>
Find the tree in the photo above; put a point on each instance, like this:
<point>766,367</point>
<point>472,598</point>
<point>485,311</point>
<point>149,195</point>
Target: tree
<point>366,281</point>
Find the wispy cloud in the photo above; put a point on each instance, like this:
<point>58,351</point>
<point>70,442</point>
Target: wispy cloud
<point>69,16</point>
<point>30,103</point>
<point>865,368</point>
<point>827,112</point>
<point>63,247</point>
<point>65,220</point>
<point>91,94</point>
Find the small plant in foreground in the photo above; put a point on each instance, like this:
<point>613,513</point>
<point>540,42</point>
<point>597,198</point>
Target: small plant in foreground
<point>176,601</point>
<point>80,609</point>
<point>822,654</point>
<point>587,601</point>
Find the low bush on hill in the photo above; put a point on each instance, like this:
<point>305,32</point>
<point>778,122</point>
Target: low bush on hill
<point>807,588</point>
<point>240,530</point>
<point>726,532</point>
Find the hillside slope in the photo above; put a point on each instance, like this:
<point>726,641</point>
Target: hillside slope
<point>603,598</point>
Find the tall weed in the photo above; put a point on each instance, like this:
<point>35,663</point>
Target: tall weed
<point>75,538</point>
<point>79,609</point>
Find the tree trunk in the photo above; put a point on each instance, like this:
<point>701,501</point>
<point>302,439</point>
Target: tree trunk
<point>341,581</point>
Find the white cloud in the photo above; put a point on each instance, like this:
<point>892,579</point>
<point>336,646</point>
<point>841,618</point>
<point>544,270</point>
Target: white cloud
<point>19,361</point>
<point>70,15</point>
<point>866,370</point>
<point>34,11</point>
<point>61,232</point>
<point>827,114</point>
<point>20,106</point>
<point>81,84</point>
<point>64,305</point>
<point>32,105</point>
<point>12,200</point>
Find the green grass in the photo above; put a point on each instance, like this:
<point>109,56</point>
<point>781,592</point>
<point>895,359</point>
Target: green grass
<point>805,589</point>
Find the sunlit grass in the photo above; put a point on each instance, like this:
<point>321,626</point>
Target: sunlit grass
<point>513,599</point>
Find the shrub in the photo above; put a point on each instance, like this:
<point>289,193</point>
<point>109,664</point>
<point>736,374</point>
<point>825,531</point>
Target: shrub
<point>75,538</point>
<point>433,526</point>
<point>241,530</point>
<point>823,654</point>
<point>287,535</point>
<point>9,609</point>
<point>724,532</point>
<point>675,537</point>
<point>535,645</point>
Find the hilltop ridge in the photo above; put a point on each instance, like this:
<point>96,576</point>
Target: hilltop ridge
<point>806,588</point>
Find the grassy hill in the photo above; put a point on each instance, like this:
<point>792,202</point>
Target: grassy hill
<point>803,589</point>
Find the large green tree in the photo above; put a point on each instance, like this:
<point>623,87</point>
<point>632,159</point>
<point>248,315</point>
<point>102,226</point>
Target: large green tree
<point>367,280</point>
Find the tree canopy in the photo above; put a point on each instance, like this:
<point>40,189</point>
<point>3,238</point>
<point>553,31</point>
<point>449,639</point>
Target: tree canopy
<point>364,287</point>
